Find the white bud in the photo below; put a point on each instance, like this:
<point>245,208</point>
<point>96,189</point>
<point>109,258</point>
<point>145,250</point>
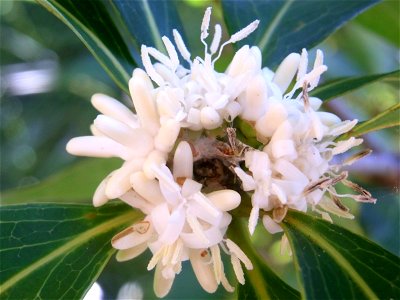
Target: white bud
<point>286,71</point>
<point>143,101</point>
<point>119,182</point>
<point>224,200</point>
<point>115,109</point>
<point>96,146</point>
<point>139,141</point>
<point>167,135</point>
<point>210,118</point>
<point>254,99</point>
<point>183,161</point>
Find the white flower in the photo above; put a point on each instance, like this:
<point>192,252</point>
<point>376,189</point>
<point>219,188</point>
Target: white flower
<point>200,97</point>
<point>294,169</point>
<point>139,139</point>
<point>182,223</point>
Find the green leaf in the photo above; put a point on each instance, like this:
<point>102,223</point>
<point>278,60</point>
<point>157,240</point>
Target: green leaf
<point>91,22</point>
<point>53,251</point>
<point>337,87</point>
<point>148,21</point>
<point>386,10</point>
<point>386,119</point>
<point>261,282</point>
<point>74,184</point>
<point>288,26</point>
<point>334,263</point>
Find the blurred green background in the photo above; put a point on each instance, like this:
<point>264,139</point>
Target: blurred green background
<point>48,77</point>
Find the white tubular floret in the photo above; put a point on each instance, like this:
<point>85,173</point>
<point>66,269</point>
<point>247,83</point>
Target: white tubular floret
<point>210,118</point>
<point>97,146</point>
<point>183,161</point>
<point>167,135</point>
<point>224,200</point>
<point>254,99</point>
<point>119,182</point>
<point>143,101</point>
<point>286,71</point>
<point>114,109</point>
<point>139,141</point>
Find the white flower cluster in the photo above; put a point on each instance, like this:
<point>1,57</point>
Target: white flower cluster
<point>182,222</point>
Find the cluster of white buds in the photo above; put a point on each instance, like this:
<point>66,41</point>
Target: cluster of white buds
<point>183,219</point>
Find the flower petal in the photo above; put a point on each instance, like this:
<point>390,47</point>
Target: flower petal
<point>203,270</point>
<point>133,236</point>
<point>119,183</point>
<point>131,253</point>
<point>149,189</point>
<point>161,285</point>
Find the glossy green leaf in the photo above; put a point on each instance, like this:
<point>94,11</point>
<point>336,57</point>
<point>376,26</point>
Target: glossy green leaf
<point>389,11</point>
<point>261,282</point>
<point>334,263</point>
<point>386,119</point>
<point>338,87</point>
<point>148,21</point>
<point>92,23</point>
<point>51,251</point>
<point>288,26</point>
<point>74,184</point>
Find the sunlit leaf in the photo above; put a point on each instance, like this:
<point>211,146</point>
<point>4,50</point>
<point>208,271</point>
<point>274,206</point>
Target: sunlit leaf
<point>334,263</point>
<point>261,282</point>
<point>386,119</point>
<point>74,184</point>
<point>148,21</point>
<point>288,26</point>
<point>91,22</point>
<point>51,251</point>
<point>333,89</point>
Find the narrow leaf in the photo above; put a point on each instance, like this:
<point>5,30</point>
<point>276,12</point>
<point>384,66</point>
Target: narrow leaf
<point>261,282</point>
<point>386,119</point>
<point>288,26</point>
<point>66,186</point>
<point>334,263</point>
<point>91,22</point>
<point>148,21</point>
<point>53,251</point>
<point>338,87</point>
